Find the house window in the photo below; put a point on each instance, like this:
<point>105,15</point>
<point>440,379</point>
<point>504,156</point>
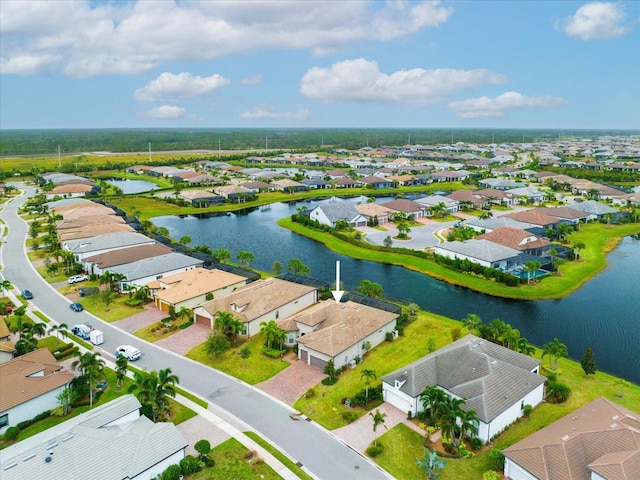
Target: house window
<point>277,314</point>
<point>244,329</point>
<point>522,405</point>
<point>4,420</point>
<point>292,338</point>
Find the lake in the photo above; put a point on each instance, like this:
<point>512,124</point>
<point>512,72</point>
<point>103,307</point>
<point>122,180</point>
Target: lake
<point>603,314</point>
<point>129,186</point>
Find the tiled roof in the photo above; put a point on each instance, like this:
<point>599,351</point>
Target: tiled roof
<point>489,377</point>
<point>195,282</point>
<point>93,230</point>
<point>533,216</point>
<point>372,210</point>
<point>84,210</point>
<point>404,205</point>
<point>341,325</point>
<point>89,220</point>
<point>71,188</point>
<point>480,249</point>
<point>339,211</point>
<point>601,436</point>
<point>155,265</point>
<point>19,382</point>
<point>127,255</point>
<point>111,241</point>
<point>593,207</point>
<point>568,213</point>
<point>258,298</point>
<point>514,238</point>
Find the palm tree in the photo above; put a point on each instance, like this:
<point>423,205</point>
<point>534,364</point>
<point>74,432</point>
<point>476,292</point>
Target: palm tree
<point>27,341</point>
<point>378,419</point>
<point>403,228</point>
<point>90,365</point>
<point>485,215</point>
<point>525,347</point>
<point>221,254</point>
<point>227,324</point>
<point>578,246</point>
<point>5,285</point>
<point>270,331</point>
<point>184,313</point>
<point>18,313</point>
<point>451,411</point>
<point>245,258</point>
<point>555,350</point>
<point>468,424</point>
<point>121,369</point>
<point>298,268</point>
<point>432,399</point>
<point>530,267</point>
<point>59,329</point>
<point>368,375</point>
<point>472,322</point>
<point>431,464</point>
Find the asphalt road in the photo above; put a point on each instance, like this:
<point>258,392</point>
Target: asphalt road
<point>324,455</point>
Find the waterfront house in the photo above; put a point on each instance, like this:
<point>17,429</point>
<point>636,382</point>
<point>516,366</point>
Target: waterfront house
<point>412,209</point>
<point>88,247</point>
<point>330,213</point>
<point>104,261</point>
<point>484,252</point>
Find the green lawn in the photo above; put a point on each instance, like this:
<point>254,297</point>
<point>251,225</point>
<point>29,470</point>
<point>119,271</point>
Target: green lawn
<point>255,369</point>
<point>115,311</point>
<point>279,455</point>
<point>232,464</point>
<point>325,406</point>
<point>599,239</point>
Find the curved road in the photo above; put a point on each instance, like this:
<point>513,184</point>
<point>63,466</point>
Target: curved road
<point>321,453</point>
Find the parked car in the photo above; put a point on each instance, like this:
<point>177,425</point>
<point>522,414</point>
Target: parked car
<point>82,330</point>
<point>130,353</point>
<point>87,291</point>
<point>27,295</point>
<point>77,278</point>
<point>76,307</point>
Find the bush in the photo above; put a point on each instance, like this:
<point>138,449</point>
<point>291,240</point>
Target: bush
<point>171,473</point>
<point>190,464</point>
<point>490,475</point>
<point>310,393</point>
<point>328,381</point>
<point>476,443</point>
<point>272,352</point>
<point>526,411</point>
<point>389,337</point>
<point>203,447</point>
<point>497,459</point>
<point>349,416</point>
<point>374,450</point>
<point>12,433</point>
<point>37,418</point>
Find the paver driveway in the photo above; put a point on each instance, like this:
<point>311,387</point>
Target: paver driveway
<point>292,382</point>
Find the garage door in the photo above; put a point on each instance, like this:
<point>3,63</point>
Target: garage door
<point>303,355</point>
<point>318,362</point>
<point>204,320</point>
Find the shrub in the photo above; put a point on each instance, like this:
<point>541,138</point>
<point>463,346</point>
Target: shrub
<point>476,443</point>
<point>272,352</point>
<point>558,392</point>
<point>37,418</point>
<point>328,381</point>
<point>12,433</point>
<point>456,332</point>
<point>464,452</point>
<point>490,475</point>
<point>203,447</point>
<point>190,464</point>
<point>374,450</point>
<point>310,393</point>
<point>526,411</point>
<point>171,473</point>
<point>389,337</point>
<point>409,415</point>
<point>552,376</point>
<point>349,416</point>
<point>497,459</point>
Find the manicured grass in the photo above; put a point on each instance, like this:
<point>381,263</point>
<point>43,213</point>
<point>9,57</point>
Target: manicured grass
<point>231,464</point>
<point>598,239</point>
<point>191,397</point>
<point>41,316</point>
<point>55,277</point>
<point>115,311</point>
<point>402,446</point>
<point>180,413</point>
<point>279,455</point>
<point>255,369</point>
<point>155,331</point>
<point>325,406</point>
<point>52,343</point>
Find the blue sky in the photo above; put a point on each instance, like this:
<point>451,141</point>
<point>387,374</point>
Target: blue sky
<point>244,63</point>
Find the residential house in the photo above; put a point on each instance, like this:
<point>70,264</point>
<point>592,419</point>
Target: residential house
<point>110,442</point>
<point>430,201</point>
<point>494,196</point>
<point>289,186</point>
<point>375,182</point>
<point>412,209</point>
<point>232,191</point>
<point>484,252</point>
<point>203,179</point>
<point>346,182</point>
<point>70,212</point>
<point>139,273</point>
<point>450,176</point>
<point>374,212</point>
<point>102,262</point>
<point>517,239</point>
<point>193,287</point>
<point>88,220</point>
<point>494,381</point>
<point>595,210</point>
<point>256,186</point>
<point>69,190</point>
<point>88,247</point>
<point>598,441</point>
<point>337,331</point>
<point>499,183</point>
<point>330,213</point>
<point>200,198</point>
<point>93,230</point>
<point>474,200</point>
<point>494,223</point>
<point>31,384</point>
<point>535,217</point>
<point>259,301</point>
<point>403,180</point>
<point>7,348</point>
<point>528,195</point>
<point>566,214</point>
<point>315,183</point>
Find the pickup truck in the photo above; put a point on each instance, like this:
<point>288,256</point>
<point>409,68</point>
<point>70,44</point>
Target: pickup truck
<point>82,330</point>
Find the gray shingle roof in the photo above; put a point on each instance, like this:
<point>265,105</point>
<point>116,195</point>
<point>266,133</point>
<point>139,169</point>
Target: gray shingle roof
<point>489,377</point>
<point>497,222</point>
<point>91,446</point>
<point>339,211</point>
<point>480,249</point>
<point>103,242</point>
<point>593,207</point>
<point>155,265</point>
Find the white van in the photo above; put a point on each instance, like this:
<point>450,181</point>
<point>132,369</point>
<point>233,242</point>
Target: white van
<point>130,353</point>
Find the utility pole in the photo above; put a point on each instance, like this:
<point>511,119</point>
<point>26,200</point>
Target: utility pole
<point>59,158</point>
<point>149,151</point>
<point>219,150</point>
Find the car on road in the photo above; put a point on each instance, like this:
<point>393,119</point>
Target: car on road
<point>130,353</point>
<point>76,307</point>
<point>27,295</point>
<point>82,330</point>
<point>77,278</point>
<point>88,291</point>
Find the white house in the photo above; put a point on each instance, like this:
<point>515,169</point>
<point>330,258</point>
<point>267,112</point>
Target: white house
<point>484,252</point>
<point>30,385</point>
<point>109,442</point>
<point>494,381</point>
<point>337,331</point>
<point>331,213</point>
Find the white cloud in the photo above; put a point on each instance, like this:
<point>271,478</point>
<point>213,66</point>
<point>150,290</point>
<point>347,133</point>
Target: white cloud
<point>29,64</point>
<point>360,80</point>
<point>167,112</point>
<point>498,107</point>
<point>596,20</point>
<point>252,80</point>
<point>126,38</point>
<point>183,85</point>
<point>261,113</point>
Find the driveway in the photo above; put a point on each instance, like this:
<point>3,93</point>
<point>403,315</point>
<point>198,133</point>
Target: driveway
<point>184,340</point>
<point>421,237</point>
<point>292,382</point>
<point>149,315</point>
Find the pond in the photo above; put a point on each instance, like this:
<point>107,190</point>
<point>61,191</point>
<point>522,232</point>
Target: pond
<point>129,186</point>
<point>603,314</point>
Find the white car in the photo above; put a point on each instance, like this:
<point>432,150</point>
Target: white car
<point>130,353</point>
<point>78,278</point>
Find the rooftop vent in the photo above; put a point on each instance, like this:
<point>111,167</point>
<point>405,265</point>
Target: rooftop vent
<point>29,457</point>
<point>565,438</point>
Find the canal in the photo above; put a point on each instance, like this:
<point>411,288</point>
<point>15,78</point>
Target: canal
<point>603,314</point>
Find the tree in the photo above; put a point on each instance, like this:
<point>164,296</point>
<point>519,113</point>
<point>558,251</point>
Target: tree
<point>432,399</point>
<point>203,447</point>
<point>91,366</point>
<point>370,289</point>
<point>154,389</point>
<point>65,398</point>
<point>439,210</point>
<point>121,369</point>
<point>298,268</point>
<point>431,464</point>
<point>555,350</point>
<point>368,375</point>
<point>378,419</point>
<point>272,333</point>
<point>18,313</point>
<point>577,247</point>
<point>530,267</point>
<point>472,322</point>
<point>588,363</point>
<point>413,309</point>
<point>245,258</point>
<point>485,215</point>
<point>330,370</point>
<point>59,330</point>
<point>184,313</point>
<point>277,268</point>
<point>227,324</point>
<point>451,412</point>
<point>185,240</point>
<point>553,253</point>
<point>403,228</point>
<point>5,285</point>
<point>558,392</point>
<point>216,344</point>
<point>221,254</point>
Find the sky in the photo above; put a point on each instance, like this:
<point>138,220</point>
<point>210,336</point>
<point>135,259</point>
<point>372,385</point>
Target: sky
<point>320,64</point>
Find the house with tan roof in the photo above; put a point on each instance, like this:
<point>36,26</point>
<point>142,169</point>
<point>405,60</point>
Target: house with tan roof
<point>259,301</point>
<point>110,442</point>
<point>102,262</point>
<point>494,381</point>
<point>200,198</point>
<point>232,191</point>
<point>288,185</point>
<point>599,441</point>
<point>93,230</point>
<point>566,214</point>
<point>71,212</point>
<point>7,348</point>
<point>412,209</point>
<point>89,220</point>
<point>337,331</point>
<point>465,197</point>
<point>30,385</point>
<point>516,238</point>
<point>70,190</point>
<point>193,287</point>
<point>535,217</point>
<point>374,212</point>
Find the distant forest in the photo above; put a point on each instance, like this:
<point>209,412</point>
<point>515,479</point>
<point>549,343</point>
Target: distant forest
<point>76,141</point>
